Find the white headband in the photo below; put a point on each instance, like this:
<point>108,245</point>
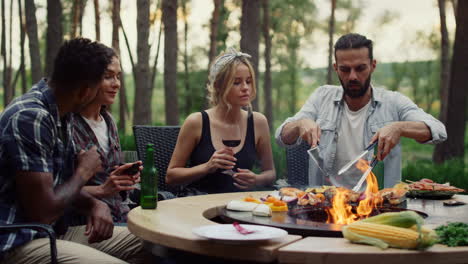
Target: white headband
<point>223,60</point>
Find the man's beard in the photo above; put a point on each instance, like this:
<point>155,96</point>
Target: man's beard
<point>353,93</point>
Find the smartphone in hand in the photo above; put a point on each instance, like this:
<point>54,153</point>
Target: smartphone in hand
<point>132,170</point>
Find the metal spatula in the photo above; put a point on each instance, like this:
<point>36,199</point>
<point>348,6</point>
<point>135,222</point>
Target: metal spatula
<point>314,153</point>
<point>349,164</point>
<point>364,176</point>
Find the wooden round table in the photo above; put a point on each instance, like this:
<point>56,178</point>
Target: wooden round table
<point>171,224</point>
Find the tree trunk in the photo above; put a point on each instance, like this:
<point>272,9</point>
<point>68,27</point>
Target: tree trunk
<point>34,53</point>
<point>214,23</point>
<point>454,6</point>
<point>75,13</point>
<point>77,18</point>
<point>11,86</point>
<point>170,61</point>
<point>81,14</point>
<point>54,33</point>
<point>268,110</point>
<point>143,91</point>
<point>331,31</point>
<point>6,66</point>
<point>123,105</point>
<point>293,80</point>
<point>97,19</point>
<point>445,61</point>
<point>154,71</point>
<point>455,119</point>
<point>250,36</point>
<point>187,93</point>
<point>24,84</point>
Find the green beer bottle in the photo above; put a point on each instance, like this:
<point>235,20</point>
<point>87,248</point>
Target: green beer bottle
<point>149,187</point>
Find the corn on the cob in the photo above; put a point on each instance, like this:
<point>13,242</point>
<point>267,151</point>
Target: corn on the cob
<point>400,219</point>
<point>380,235</point>
<point>428,236</point>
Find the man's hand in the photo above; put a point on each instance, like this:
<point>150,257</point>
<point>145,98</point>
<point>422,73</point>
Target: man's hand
<point>244,179</point>
<point>99,226</point>
<point>88,162</point>
<point>309,131</point>
<point>221,159</point>
<point>388,137</point>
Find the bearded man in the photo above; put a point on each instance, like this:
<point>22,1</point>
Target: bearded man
<point>343,121</point>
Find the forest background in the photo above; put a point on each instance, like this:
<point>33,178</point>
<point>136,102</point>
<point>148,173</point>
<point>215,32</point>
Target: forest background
<point>166,47</point>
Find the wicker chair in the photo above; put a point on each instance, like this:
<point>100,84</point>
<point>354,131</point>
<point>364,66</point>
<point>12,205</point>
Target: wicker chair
<point>38,227</point>
<point>164,139</point>
<point>297,163</point>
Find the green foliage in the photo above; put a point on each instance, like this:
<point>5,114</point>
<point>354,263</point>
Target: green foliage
<point>193,96</point>
<point>127,142</point>
<point>279,157</point>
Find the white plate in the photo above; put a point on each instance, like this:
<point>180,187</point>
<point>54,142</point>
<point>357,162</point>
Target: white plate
<point>228,233</point>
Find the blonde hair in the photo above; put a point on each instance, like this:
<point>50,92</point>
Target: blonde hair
<point>222,75</point>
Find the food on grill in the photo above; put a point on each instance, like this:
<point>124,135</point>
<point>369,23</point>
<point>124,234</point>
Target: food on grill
<point>392,195</point>
<point>276,205</point>
<point>242,206</point>
<point>399,230</point>
<point>290,191</point>
<point>323,196</point>
<point>250,204</point>
<point>429,185</point>
<point>262,210</point>
<point>252,200</point>
<point>428,189</point>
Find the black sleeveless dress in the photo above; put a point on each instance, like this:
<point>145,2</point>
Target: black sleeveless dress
<point>219,182</point>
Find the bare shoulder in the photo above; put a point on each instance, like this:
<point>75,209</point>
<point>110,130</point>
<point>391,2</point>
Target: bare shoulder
<point>259,118</point>
<point>193,121</point>
<point>261,124</point>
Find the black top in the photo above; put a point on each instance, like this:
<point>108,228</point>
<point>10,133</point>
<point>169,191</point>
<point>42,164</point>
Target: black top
<point>219,182</point>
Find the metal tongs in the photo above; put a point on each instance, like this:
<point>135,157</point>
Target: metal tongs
<point>364,176</point>
<point>349,164</point>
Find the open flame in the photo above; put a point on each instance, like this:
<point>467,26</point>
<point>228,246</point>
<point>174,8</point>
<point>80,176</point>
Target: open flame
<point>342,212</point>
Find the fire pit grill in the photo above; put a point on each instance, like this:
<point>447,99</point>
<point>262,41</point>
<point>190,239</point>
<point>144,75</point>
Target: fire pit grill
<point>304,221</point>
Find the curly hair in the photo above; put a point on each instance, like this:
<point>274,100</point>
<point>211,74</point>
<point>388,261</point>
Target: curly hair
<point>354,41</point>
<point>220,85</point>
<point>81,61</point>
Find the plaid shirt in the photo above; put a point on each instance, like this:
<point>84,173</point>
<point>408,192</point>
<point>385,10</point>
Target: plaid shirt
<point>31,140</point>
<point>83,136</point>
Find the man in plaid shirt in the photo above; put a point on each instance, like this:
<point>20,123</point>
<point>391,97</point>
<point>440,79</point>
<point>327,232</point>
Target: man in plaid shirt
<point>41,176</point>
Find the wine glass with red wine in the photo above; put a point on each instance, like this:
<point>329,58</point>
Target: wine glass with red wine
<point>231,138</point>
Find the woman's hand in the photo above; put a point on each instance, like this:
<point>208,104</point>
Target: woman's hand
<point>221,159</point>
<point>244,179</point>
<point>117,181</point>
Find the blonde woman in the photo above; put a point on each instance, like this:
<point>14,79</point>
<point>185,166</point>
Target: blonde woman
<point>215,167</point>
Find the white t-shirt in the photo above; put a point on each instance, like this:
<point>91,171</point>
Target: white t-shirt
<point>349,145</point>
<point>101,131</point>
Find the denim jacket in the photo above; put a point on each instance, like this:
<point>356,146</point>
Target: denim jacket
<point>325,106</point>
